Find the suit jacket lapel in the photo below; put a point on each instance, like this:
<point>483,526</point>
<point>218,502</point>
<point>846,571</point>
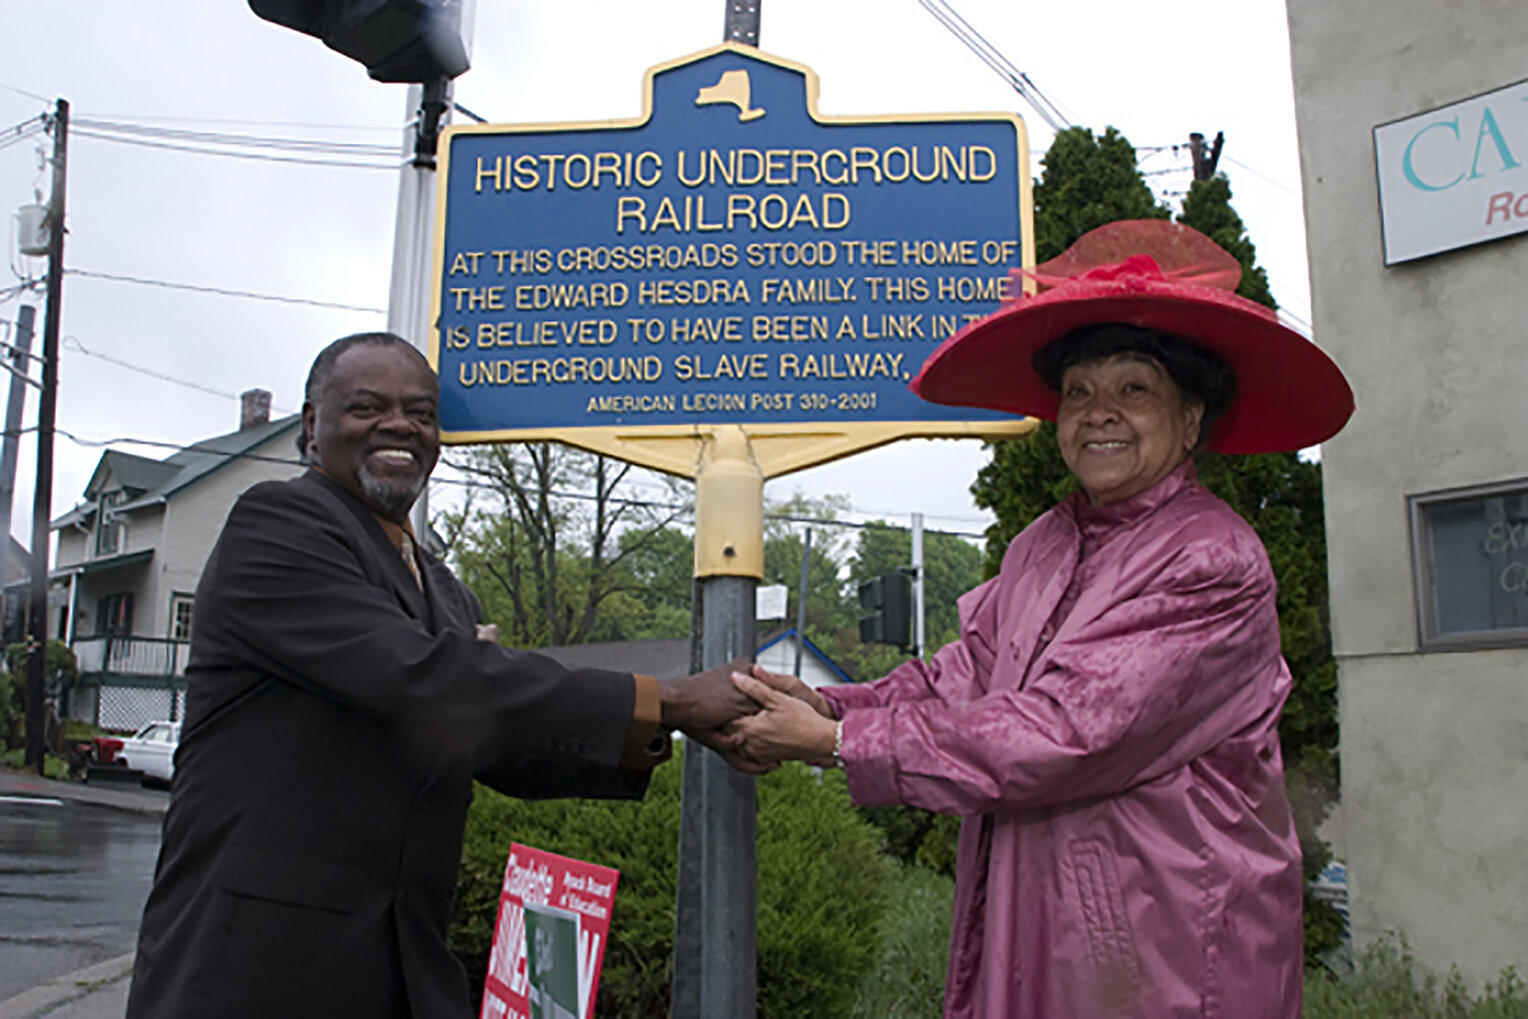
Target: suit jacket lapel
<point>400,580</point>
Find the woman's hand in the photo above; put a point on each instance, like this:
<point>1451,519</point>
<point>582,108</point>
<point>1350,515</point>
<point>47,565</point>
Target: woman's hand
<point>794,687</point>
<point>788,728</point>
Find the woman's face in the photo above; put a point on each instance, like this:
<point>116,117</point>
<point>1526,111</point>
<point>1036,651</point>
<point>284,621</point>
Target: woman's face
<point>1124,425</point>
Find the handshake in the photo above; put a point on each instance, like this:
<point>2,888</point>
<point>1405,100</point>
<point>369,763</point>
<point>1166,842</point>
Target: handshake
<point>752,717</point>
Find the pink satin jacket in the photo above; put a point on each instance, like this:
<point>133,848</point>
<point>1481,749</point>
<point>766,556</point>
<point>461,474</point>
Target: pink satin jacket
<point>1106,725</point>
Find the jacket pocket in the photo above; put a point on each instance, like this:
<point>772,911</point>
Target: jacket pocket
<point>1094,877</point>
<point>289,879</point>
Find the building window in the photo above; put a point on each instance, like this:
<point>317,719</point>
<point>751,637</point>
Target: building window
<point>180,617</point>
<point>111,531</point>
<point>114,615</point>
<point>1470,561</point>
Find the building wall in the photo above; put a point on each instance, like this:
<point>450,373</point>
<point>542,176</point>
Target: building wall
<point>195,519</point>
<point>781,657</point>
<point>1434,754</point>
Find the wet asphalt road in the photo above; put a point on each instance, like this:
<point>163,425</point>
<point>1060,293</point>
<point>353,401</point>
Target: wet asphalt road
<point>73,879</point>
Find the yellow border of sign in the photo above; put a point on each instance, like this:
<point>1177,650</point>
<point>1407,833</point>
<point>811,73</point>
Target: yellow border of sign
<point>778,449</point>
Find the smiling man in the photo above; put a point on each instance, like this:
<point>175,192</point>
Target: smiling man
<point>340,702</point>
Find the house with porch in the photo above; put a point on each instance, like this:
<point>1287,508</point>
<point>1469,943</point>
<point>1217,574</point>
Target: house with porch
<point>129,556</point>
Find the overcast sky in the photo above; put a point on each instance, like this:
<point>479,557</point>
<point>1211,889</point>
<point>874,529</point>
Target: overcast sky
<point>324,233</point>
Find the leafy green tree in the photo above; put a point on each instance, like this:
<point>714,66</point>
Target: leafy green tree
<point>1088,181</point>
<point>547,538</point>
<point>1279,494</point>
<point>823,887</point>
<point>828,613</point>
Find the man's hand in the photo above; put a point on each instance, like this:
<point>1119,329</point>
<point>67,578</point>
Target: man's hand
<point>794,687</point>
<point>706,700</point>
<point>726,748</point>
<point>488,632</point>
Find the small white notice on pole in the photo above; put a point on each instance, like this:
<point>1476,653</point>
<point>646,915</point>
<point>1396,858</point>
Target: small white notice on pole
<point>770,602</point>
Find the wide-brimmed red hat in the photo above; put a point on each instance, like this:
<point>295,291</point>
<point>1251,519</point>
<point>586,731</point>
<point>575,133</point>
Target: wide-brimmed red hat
<point>1158,275</point>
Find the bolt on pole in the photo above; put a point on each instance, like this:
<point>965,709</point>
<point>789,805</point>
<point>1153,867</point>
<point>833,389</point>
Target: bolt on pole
<point>742,22</point>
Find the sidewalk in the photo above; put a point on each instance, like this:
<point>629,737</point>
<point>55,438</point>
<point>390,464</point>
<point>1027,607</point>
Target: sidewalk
<point>95,992</point>
<point>122,796</point>
<point>99,991</point>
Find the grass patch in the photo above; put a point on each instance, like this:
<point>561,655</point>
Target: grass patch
<point>1387,982</point>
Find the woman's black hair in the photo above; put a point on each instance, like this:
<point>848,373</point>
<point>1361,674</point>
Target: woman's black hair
<point>1198,372</point>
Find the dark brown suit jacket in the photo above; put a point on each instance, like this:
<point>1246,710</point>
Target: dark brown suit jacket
<point>336,716</point>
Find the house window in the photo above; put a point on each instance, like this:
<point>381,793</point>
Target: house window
<point>111,531</point>
<point>180,617</point>
<point>1470,561</point>
<point>114,615</point>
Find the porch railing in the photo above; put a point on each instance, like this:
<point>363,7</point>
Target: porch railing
<point>112,655</point>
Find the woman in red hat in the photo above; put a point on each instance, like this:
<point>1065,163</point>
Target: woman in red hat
<point>1106,722</point>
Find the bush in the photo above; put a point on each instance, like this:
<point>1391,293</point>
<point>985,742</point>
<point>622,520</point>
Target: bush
<point>13,710</point>
<point>60,669</point>
<point>1388,982</point>
<point>822,887</point>
<point>906,980</point>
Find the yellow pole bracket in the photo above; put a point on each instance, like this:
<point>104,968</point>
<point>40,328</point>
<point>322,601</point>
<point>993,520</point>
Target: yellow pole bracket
<point>729,506</point>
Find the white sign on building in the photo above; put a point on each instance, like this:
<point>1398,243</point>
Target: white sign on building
<point>1454,176</point>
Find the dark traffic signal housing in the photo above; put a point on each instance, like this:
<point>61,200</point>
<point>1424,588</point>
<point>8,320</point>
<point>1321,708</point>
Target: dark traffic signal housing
<point>887,602</point>
<point>397,40</point>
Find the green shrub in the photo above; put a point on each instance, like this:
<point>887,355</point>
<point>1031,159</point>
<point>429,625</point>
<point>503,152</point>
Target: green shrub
<point>13,710</point>
<point>906,981</point>
<point>1387,982</point>
<point>822,887</point>
<point>60,669</point>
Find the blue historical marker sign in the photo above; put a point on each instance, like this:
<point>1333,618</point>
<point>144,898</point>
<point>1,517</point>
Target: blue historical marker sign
<point>728,258</point>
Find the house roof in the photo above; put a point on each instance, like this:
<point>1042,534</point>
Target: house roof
<point>815,651</point>
<point>663,659</point>
<point>153,481</point>
<point>134,473</point>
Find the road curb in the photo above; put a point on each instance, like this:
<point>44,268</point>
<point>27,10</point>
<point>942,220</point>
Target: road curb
<point>48,998</point>
<point>21,784</point>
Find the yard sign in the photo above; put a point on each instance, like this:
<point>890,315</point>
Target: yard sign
<point>567,902</point>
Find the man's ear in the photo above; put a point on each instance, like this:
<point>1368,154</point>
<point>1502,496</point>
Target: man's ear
<point>309,424</point>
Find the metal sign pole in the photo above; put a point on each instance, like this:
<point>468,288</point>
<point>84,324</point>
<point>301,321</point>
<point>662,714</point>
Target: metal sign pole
<point>715,968</point>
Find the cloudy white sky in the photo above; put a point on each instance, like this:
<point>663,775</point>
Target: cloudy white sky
<point>324,233</point>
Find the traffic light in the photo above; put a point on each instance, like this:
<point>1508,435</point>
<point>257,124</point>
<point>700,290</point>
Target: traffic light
<point>888,604</point>
<point>397,40</point>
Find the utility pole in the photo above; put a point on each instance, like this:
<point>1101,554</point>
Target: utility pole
<point>1205,161</point>
<point>20,352</point>
<point>42,495</point>
<point>806,561</point>
<point>919,647</point>
<point>408,305</point>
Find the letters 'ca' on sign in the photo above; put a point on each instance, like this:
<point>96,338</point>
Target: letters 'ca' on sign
<point>728,258</point>
<point>1454,176</point>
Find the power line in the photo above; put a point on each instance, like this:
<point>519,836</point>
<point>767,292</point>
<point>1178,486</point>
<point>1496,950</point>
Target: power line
<point>24,92</point>
<point>685,509</point>
<point>241,140</point>
<point>72,343</point>
<point>223,291</point>
<point>1259,173</point>
<point>261,157</point>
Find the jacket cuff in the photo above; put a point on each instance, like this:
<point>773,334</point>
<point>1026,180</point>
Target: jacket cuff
<point>870,763</point>
<point>647,745</point>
